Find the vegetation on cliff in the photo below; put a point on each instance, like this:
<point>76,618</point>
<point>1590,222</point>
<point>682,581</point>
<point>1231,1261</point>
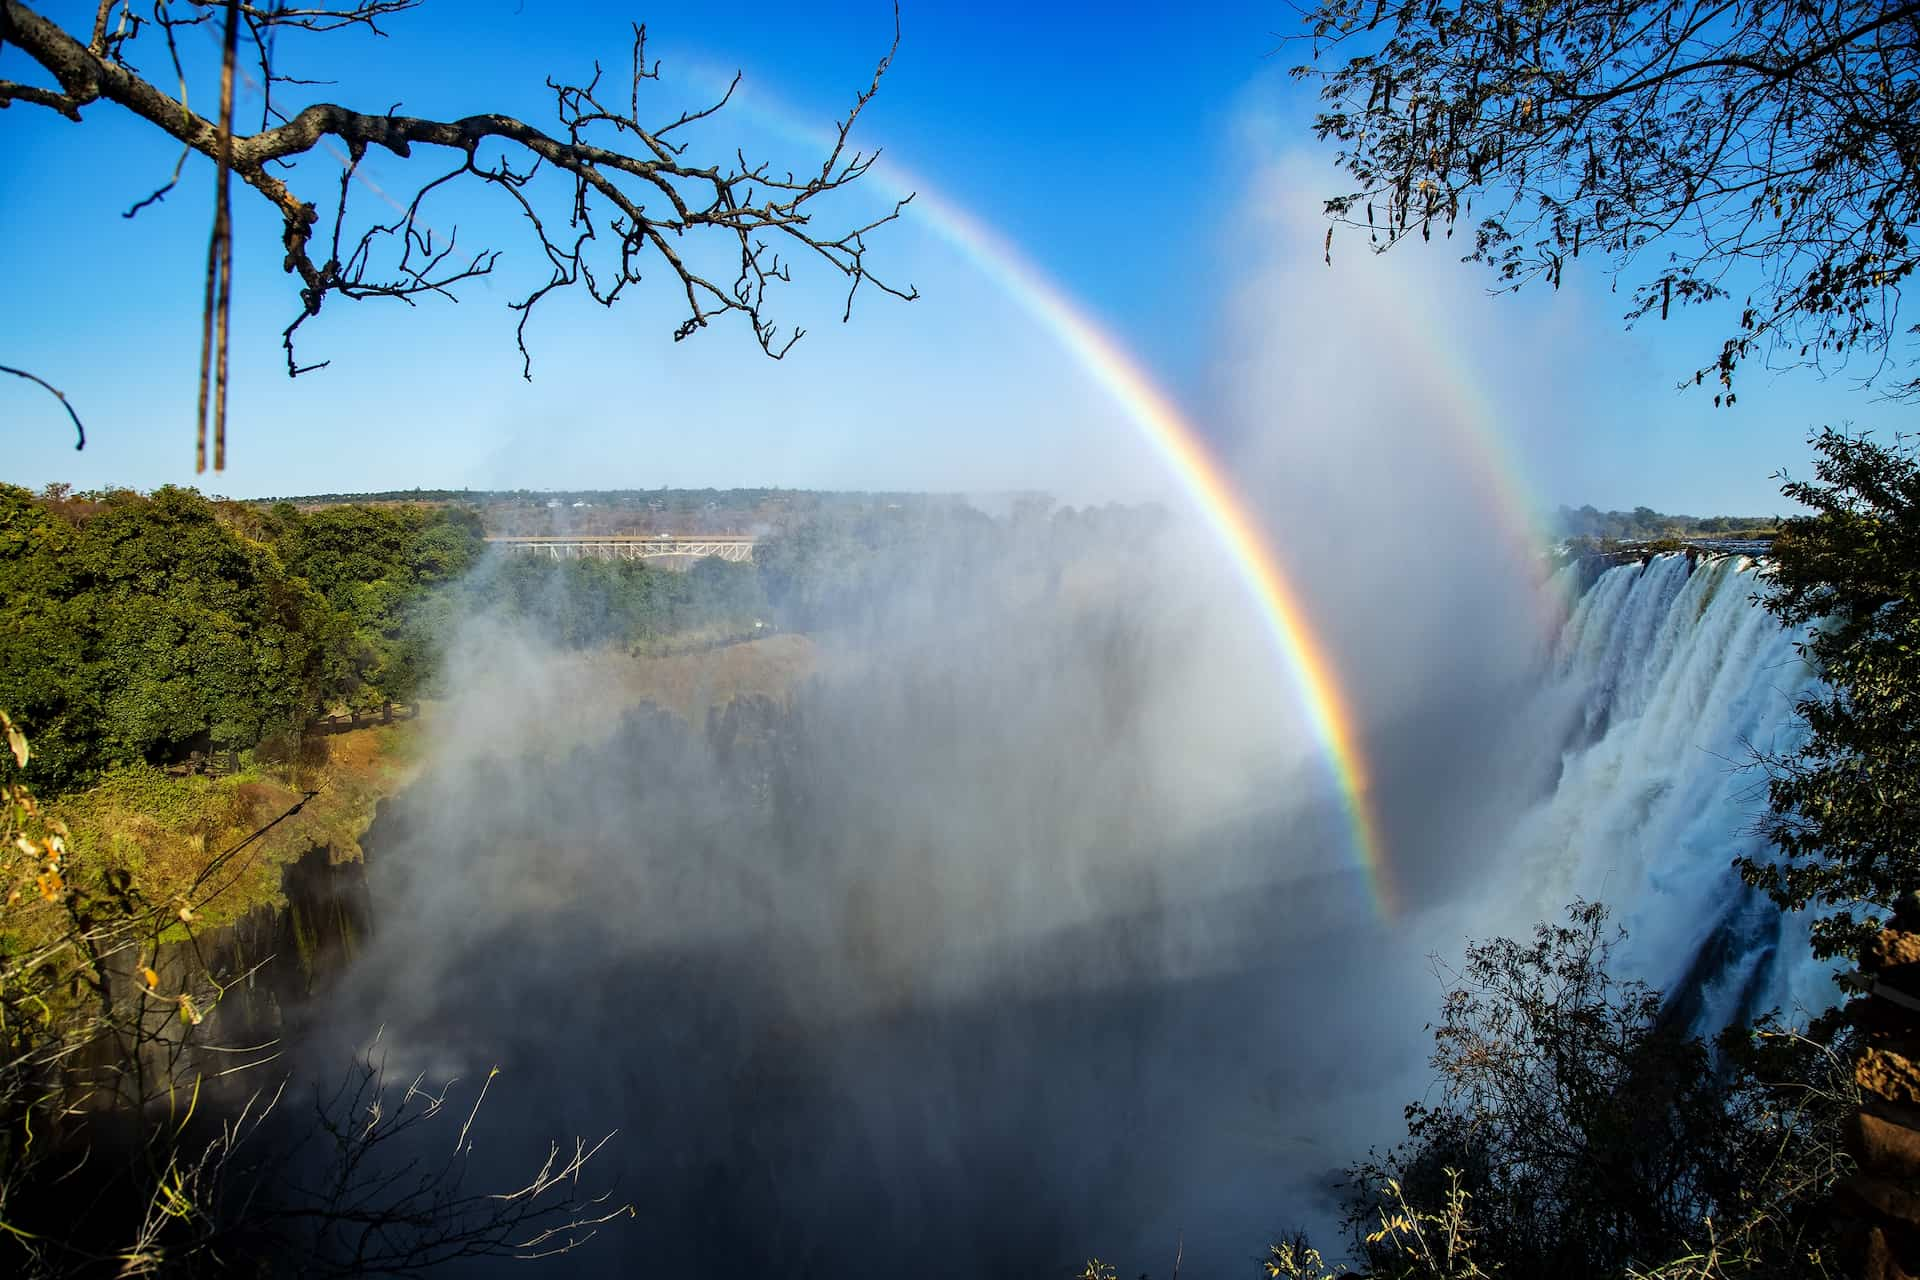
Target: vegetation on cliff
<point>1578,1131</point>
<point>129,1147</point>
<point>142,629</point>
<point>1844,809</point>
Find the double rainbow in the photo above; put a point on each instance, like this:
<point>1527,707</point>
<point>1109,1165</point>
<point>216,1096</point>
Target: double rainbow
<point>1186,455</point>
<point>1225,512</point>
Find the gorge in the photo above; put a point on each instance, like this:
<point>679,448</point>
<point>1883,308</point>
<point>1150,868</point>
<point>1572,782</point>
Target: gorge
<point>939,963</point>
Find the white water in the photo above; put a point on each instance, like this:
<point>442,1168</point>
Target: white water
<point>1667,680</point>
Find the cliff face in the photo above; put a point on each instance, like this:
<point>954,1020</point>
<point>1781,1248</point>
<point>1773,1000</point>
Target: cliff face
<point>276,957</point>
<point>1879,1205</point>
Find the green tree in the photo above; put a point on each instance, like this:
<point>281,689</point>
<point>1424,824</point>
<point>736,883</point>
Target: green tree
<point>377,568</point>
<point>49,674</point>
<point>1844,808</point>
<point>145,627</point>
<point>1587,1133</point>
<point>1579,1133</point>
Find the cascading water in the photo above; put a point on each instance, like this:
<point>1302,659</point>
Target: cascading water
<point>1667,681</point>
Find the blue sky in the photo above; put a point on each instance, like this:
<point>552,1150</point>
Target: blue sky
<point>1137,156</point>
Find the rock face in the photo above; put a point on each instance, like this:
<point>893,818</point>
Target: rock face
<point>1880,1204</point>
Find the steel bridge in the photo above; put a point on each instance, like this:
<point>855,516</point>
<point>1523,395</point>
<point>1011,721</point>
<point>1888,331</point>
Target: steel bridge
<point>737,548</point>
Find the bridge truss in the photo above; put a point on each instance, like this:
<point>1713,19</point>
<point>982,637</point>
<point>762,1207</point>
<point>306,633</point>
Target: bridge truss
<point>737,550</point>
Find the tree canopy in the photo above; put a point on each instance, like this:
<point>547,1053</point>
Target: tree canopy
<point>140,627</point>
<point>1576,1129</point>
<point>1755,153</point>
<point>1844,808</point>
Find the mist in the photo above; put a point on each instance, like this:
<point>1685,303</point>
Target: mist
<point>1029,926</point>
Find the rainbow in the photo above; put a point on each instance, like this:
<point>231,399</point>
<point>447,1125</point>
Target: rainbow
<point>1225,512</point>
<point>1187,457</point>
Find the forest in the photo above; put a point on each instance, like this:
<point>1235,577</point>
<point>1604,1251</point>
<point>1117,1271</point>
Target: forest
<point>148,627</point>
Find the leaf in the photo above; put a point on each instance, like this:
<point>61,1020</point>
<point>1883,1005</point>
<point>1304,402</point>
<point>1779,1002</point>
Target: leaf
<point>151,978</point>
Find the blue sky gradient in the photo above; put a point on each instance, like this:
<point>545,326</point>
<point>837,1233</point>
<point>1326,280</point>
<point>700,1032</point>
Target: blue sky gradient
<point>1135,155</point>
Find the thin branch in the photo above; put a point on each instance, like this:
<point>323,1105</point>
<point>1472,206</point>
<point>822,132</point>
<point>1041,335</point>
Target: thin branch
<point>79,429</point>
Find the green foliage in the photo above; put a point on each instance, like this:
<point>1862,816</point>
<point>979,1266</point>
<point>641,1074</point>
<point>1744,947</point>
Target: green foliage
<point>142,628</point>
<point>1759,156</point>
<point>1579,1134</point>
<point>379,569</point>
<point>592,602</point>
<point>1845,807</point>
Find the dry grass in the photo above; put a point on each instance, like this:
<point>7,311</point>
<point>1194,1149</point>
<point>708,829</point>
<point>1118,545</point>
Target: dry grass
<point>168,830</point>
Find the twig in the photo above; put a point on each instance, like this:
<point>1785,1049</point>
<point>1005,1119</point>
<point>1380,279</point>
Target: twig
<point>79,428</point>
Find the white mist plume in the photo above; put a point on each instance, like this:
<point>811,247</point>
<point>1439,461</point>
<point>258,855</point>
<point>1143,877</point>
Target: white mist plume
<point>1031,927</point>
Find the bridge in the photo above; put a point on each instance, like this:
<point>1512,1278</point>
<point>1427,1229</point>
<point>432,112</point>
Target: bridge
<point>629,546</point>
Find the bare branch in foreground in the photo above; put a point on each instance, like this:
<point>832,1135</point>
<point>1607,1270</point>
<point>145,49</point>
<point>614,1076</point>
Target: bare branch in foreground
<point>606,196</point>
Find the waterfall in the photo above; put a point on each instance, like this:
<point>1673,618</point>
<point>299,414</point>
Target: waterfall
<point>1667,680</point>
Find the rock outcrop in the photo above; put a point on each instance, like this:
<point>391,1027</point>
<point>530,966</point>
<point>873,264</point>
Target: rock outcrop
<point>1880,1203</point>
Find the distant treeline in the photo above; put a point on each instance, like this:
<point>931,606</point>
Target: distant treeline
<point>146,627</point>
<point>601,511</point>
<point>1645,524</point>
<point>840,566</point>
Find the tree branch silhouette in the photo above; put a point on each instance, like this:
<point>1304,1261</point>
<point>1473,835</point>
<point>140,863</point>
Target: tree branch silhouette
<point>607,196</point>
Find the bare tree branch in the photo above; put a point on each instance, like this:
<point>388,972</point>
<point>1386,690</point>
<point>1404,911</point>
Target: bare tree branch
<point>1711,150</point>
<point>633,198</point>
